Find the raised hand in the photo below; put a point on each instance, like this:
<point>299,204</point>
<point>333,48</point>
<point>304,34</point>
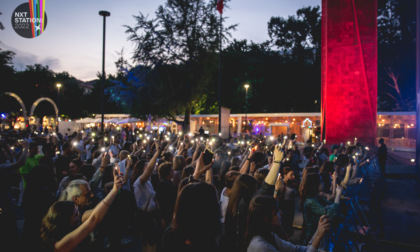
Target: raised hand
<point>181,148</point>
<point>158,145</point>
<point>251,153</point>
<point>200,167</point>
<point>105,159</point>
<point>128,162</point>
<point>339,189</point>
<point>321,145</point>
<point>278,154</point>
<point>279,183</point>
<point>118,180</point>
<point>324,225</point>
<point>338,192</point>
<point>335,175</point>
<point>201,147</point>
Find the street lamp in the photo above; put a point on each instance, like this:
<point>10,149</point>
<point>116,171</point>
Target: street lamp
<point>104,14</point>
<point>58,103</point>
<point>246,105</point>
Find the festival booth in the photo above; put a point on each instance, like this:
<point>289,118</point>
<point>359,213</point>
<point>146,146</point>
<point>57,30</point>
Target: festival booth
<point>279,129</point>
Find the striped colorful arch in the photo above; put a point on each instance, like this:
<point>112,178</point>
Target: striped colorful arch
<point>37,11</point>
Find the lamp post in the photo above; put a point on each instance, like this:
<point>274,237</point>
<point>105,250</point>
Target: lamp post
<point>246,105</point>
<point>58,104</point>
<point>104,14</point>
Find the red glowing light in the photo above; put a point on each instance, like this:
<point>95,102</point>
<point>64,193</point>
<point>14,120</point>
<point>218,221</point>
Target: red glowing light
<point>349,70</point>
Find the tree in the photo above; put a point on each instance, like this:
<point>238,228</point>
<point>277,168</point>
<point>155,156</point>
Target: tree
<point>34,82</point>
<point>71,95</point>
<point>298,36</point>
<point>125,89</point>
<point>276,81</point>
<point>395,94</point>
<point>6,69</point>
<point>1,24</point>
<point>389,26</point>
<point>92,99</point>
<point>299,40</point>
<point>180,46</point>
<point>396,55</point>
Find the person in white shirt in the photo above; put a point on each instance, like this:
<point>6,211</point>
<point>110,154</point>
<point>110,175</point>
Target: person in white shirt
<point>113,152</point>
<point>145,201</point>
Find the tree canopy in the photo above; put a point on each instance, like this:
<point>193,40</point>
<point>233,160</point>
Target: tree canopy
<point>179,46</point>
<point>298,36</point>
<point>396,55</point>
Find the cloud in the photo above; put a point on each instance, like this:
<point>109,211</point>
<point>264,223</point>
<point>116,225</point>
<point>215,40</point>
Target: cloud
<point>22,59</point>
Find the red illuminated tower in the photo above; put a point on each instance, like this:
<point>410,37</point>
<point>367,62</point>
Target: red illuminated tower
<point>349,70</point>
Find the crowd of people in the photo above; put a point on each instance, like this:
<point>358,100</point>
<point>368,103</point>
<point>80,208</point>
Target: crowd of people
<point>177,192</point>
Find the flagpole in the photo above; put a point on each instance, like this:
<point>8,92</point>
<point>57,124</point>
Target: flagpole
<point>219,89</point>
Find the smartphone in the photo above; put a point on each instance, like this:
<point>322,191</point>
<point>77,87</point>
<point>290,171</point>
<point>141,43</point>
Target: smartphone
<point>117,170</point>
<point>208,156</point>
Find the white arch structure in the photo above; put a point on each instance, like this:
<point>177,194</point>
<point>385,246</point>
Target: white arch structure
<point>22,105</point>
<point>44,99</point>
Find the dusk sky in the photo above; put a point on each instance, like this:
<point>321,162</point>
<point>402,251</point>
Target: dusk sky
<point>72,40</point>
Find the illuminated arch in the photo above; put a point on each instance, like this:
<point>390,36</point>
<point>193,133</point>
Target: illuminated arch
<point>307,123</point>
<point>20,102</point>
<point>44,99</point>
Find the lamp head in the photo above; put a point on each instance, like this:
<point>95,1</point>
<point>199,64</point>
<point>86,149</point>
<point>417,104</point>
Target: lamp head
<point>105,13</point>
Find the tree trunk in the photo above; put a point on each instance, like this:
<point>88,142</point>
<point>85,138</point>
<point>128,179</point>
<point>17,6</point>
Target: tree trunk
<point>186,123</point>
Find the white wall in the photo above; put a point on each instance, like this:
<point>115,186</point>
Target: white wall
<point>64,126</point>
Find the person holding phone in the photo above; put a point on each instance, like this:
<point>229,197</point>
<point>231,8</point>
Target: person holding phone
<point>243,190</point>
<point>149,219</point>
<point>263,218</point>
<point>285,194</point>
<point>313,205</point>
<point>334,152</point>
<point>61,229</point>
<point>202,166</point>
<point>246,164</point>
